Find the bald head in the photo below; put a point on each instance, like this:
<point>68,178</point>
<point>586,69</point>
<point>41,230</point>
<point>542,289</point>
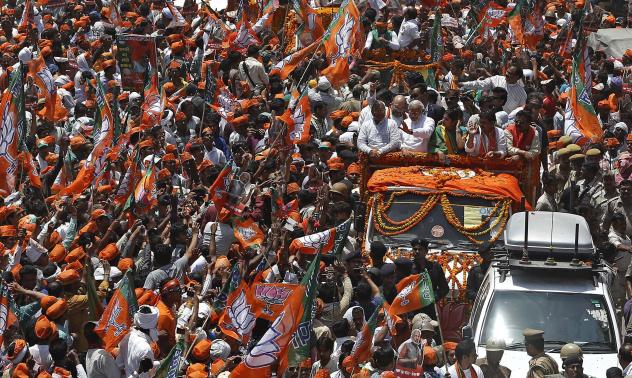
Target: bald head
<point>399,106</point>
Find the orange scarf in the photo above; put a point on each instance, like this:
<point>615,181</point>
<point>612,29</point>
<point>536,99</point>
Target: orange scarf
<point>460,374</point>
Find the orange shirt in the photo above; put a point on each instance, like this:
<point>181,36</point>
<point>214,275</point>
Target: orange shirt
<point>167,323</point>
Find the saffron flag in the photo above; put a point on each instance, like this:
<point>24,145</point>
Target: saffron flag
<point>287,65</point>
<point>580,119</point>
<point>248,233</point>
<point>493,15</point>
<point>117,316</point>
<point>534,26</point>
<point>219,188</point>
<point>152,105</point>
<point>298,118</point>
<point>45,82</point>
<point>145,192</point>
<point>265,18</point>
<point>415,292</point>
<point>243,37</point>
<point>95,164</point>
<point>26,161</point>
<point>9,134</point>
<point>128,184</point>
<point>27,16</point>
<point>514,19</point>
<point>342,41</point>
<point>170,366</point>
<point>301,340</point>
<point>7,316</point>
<point>390,319</point>
<point>269,299</point>
<point>239,316</point>
<point>271,350</point>
<point>361,351</point>
<point>312,22</point>
<point>331,241</point>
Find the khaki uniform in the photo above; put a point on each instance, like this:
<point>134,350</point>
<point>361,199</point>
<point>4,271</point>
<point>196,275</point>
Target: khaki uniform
<point>563,375</point>
<point>492,371</point>
<point>541,366</point>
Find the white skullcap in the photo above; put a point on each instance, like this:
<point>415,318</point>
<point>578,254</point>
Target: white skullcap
<point>622,126</point>
<point>147,318</point>
<point>323,84</point>
<point>134,96</point>
<point>25,55</point>
<point>220,349</point>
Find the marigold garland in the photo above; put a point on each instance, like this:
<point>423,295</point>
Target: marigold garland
<point>400,227</point>
<point>470,232</point>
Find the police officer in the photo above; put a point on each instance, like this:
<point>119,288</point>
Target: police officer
<point>490,364</point>
<point>540,364</point>
<point>572,362</point>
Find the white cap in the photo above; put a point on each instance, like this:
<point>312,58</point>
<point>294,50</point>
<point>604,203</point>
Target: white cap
<point>134,96</point>
<point>618,64</point>
<point>114,273</point>
<point>25,55</point>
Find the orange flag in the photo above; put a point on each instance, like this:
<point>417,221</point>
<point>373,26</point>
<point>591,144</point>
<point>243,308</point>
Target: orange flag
<point>238,318</point>
<point>312,21</point>
<point>286,66</point>
<point>152,106</point>
<point>218,189</point>
<point>269,299</point>
<point>145,192</point>
<point>342,41</point>
<point>26,160</point>
<point>298,118</point>
<point>414,292</point>
<point>248,233</point>
<point>362,348</point>
<point>94,165</point>
<point>331,241</point>
<point>117,317</point>
<point>7,316</point>
<point>43,79</point>
<point>272,348</point>
<point>9,139</point>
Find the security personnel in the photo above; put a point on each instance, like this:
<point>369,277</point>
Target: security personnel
<point>490,364</point>
<point>540,364</point>
<point>572,362</point>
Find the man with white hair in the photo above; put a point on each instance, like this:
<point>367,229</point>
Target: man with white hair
<point>136,355</point>
<point>379,135</point>
<point>417,128</point>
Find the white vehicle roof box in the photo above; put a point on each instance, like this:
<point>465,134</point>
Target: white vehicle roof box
<point>549,233</point>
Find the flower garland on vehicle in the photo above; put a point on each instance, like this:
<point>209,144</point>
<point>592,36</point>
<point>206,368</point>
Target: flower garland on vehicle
<point>399,227</point>
<point>454,264</point>
<point>501,209</point>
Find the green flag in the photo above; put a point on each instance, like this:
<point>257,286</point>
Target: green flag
<point>436,42</point>
<point>340,237</point>
<point>300,349</point>
<point>170,366</point>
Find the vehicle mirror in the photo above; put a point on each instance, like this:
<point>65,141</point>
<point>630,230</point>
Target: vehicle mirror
<point>467,332</point>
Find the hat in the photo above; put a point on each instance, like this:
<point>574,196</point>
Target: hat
<point>593,152</point>
<point>353,168</point>
<point>57,309</point>
<point>76,254</point>
<point>147,318</point>
<point>577,157</point>
<point>202,349</point>
<point>164,174</point>
<point>427,327</point>
<point>68,277</point>
<point>171,285</point>
<point>532,335</point>
<point>572,148</point>
<point>430,356</point>
<point>44,328</point>
<point>495,345</point>
<point>8,231</point>
<point>621,126</point>
<point>323,84</point>
<point>205,164</point>
<point>292,188</point>
<point>219,349</point>
<point>109,253</point>
<point>612,142</point>
<point>449,345</point>
<point>57,254</point>
<point>554,133</point>
<point>565,140</point>
<point>98,213</point>
<point>125,264</point>
<point>17,351</point>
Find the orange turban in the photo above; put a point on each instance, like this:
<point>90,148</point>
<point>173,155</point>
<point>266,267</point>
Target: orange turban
<point>76,254</point>
<point>57,254</point>
<point>292,188</point>
<point>57,310</point>
<point>202,350</point>
<point>44,328</point>
<point>109,253</point>
<point>205,164</point>
<point>337,114</point>
<point>430,356</point>
<point>125,264</point>
<point>8,231</point>
<point>240,120</point>
<point>47,301</point>
<point>163,174</point>
<point>353,168</point>
<point>68,277</point>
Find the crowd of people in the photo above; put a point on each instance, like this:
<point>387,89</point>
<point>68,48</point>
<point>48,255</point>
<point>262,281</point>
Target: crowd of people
<point>164,231</point>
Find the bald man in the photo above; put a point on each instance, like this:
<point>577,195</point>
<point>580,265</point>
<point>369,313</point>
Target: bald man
<point>398,109</point>
<point>417,128</point>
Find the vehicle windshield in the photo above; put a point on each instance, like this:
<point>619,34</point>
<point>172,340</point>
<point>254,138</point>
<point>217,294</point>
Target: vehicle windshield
<point>434,227</point>
<point>565,317</point>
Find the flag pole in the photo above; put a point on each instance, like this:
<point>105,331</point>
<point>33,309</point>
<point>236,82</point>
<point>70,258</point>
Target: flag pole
<point>445,355</point>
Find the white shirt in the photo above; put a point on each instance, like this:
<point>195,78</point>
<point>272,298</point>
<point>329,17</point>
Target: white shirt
<point>516,95</point>
<point>41,356</point>
<point>101,364</point>
<point>224,237</point>
<point>215,156</point>
<point>256,73</point>
<point>133,349</point>
<point>385,136</point>
<point>393,44</point>
<point>466,373</point>
<point>408,32</point>
<point>422,130</point>
<point>501,143</point>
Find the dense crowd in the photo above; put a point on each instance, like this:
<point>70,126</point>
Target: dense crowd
<point>204,220</point>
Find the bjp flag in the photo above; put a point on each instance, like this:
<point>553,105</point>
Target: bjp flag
<point>177,19</point>
<point>298,118</point>
<point>269,299</point>
<point>45,82</point>
<point>342,41</point>
<point>145,193</point>
<point>9,132</point>
<point>272,349</point>
<point>218,189</point>
<point>117,317</point>
<point>312,22</point>
<point>362,348</point>
<point>151,107</point>
<point>26,161</point>
<point>248,233</point>
<point>331,241</point>
<point>7,317</point>
<point>287,65</point>
<point>238,319</point>
<point>415,292</point>
<point>95,164</point>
